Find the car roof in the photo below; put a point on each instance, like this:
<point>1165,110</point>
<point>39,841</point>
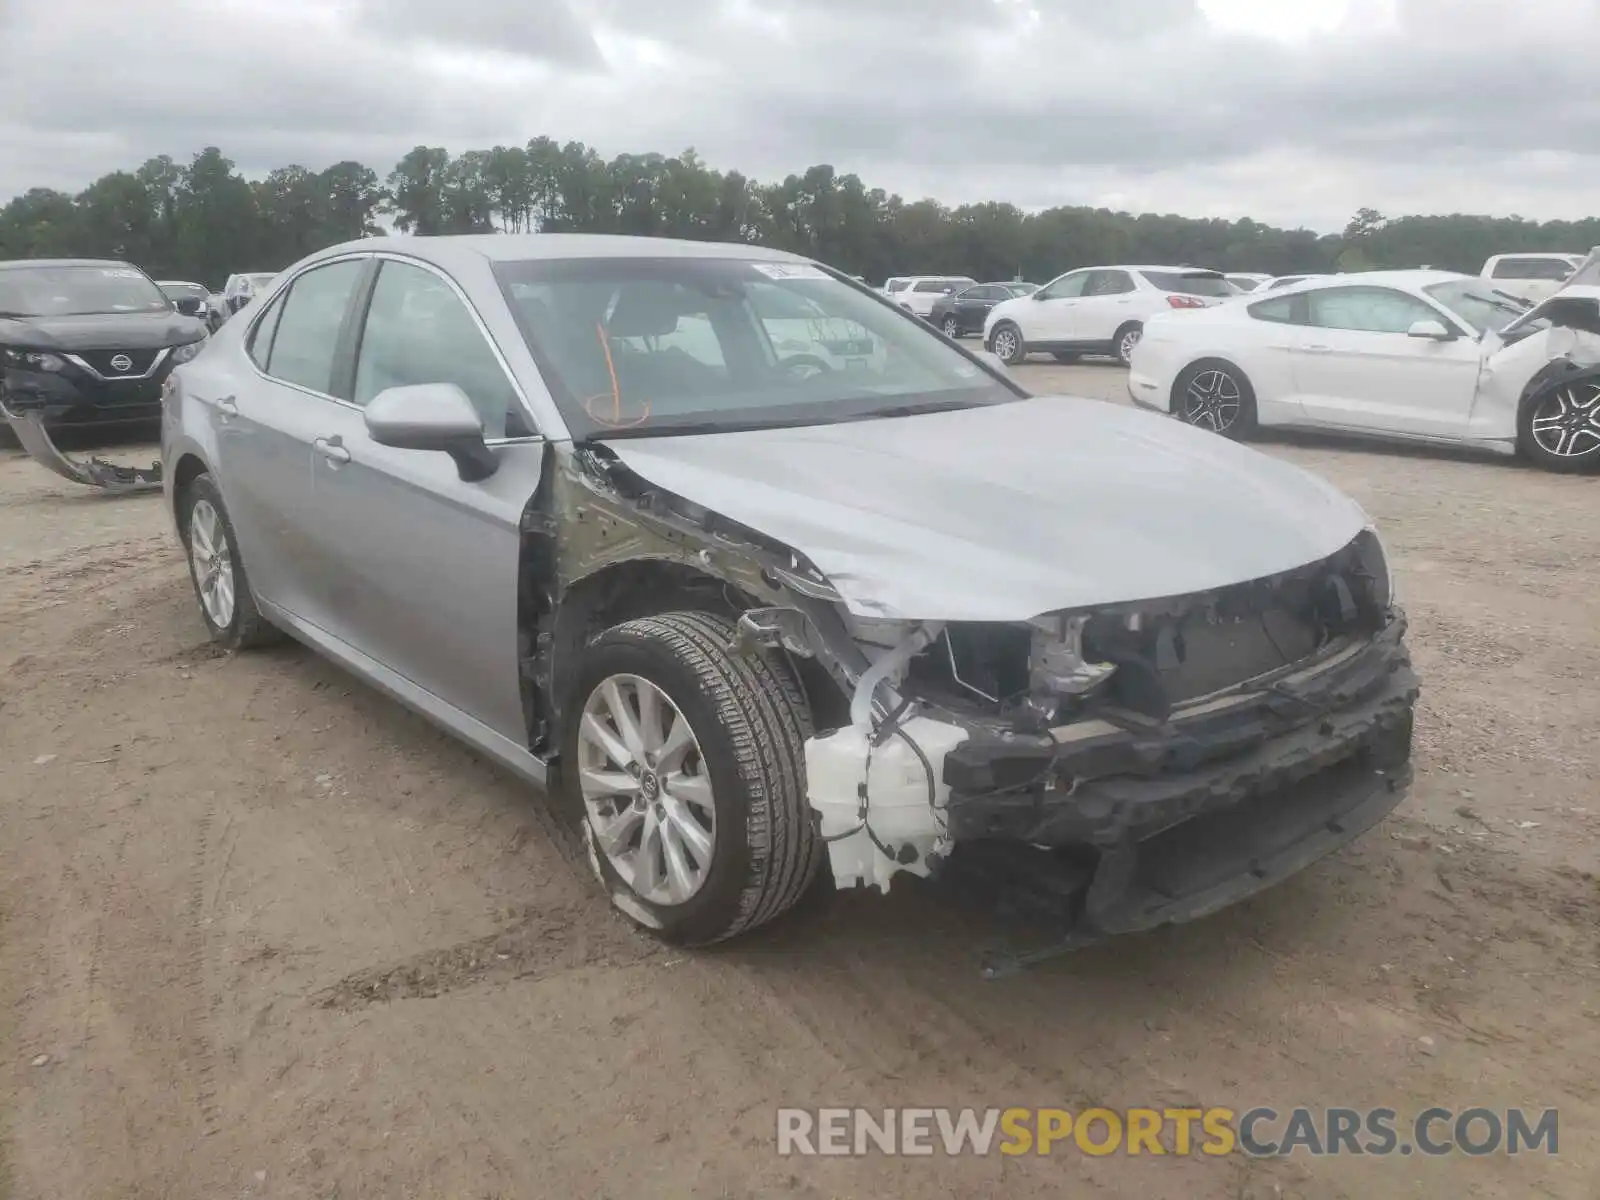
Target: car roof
<point>451,250</point>
<point>62,262</point>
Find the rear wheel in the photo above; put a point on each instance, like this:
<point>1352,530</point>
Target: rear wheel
<point>686,761</point>
<point>220,584</point>
<point>1127,338</point>
<point>951,327</point>
<point>1215,395</point>
<point>1007,344</point>
<point>1559,428</point>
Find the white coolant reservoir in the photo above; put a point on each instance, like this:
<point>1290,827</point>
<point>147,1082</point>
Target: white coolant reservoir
<point>898,812</point>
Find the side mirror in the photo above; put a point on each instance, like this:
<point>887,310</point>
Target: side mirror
<point>1433,330</point>
<point>432,416</point>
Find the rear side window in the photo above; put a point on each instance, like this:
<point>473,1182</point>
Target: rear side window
<point>260,346</point>
<point>1108,283</point>
<point>419,331</point>
<point>307,333</point>
<point>1285,310</point>
<point>1195,283</point>
<point>1553,269</point>
<point>895,285</point>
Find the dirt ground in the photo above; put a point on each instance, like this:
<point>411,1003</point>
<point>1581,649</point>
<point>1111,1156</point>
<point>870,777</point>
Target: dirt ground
<point>265,934</point>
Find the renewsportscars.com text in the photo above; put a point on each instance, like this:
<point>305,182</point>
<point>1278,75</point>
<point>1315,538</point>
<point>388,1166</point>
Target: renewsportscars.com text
<point>1259,1132</point>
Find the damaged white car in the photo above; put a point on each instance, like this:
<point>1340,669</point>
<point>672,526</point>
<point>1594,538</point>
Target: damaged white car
<point>753,607</point>
<point>1426,356</point>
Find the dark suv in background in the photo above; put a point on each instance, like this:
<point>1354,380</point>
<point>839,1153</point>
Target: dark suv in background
<point>87,341</point>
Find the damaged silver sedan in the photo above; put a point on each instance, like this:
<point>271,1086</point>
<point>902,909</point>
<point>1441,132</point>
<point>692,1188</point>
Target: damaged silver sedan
<point>767,578</point>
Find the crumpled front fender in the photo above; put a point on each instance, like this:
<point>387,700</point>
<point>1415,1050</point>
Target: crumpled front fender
<point>93,472</point>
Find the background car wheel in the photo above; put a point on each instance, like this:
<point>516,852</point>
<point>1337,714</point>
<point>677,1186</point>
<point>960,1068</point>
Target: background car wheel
<point>951,327</point>
<point>216,570</point>
<point>1127,338</point>
<point>687,763</point>
<point>1559,428</point>
<point>1215,395</point>
<point>1065,356</point>
<point>1007,344</point>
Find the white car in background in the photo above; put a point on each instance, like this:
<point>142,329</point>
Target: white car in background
<point>1097,310</point>
<point>1429,356</point>
<point>919,293</point>
<point>1248,281</point>
<point>1531,276</point>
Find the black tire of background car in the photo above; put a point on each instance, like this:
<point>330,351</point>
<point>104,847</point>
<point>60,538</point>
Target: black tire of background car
<point>1528,446</point>
<point>249,628</point>
<point>1066,356</point>
<point>1019,352</point>
<point>752,721</point>
<point>1244,425</point>
<point>1124,352</point>
<point>952,326</point>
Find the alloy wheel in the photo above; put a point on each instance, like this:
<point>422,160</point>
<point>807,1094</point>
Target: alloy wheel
<point>212,563</point>
<point>646,793</point>
<point>1005,344</point>
<point>952,327</point>
<point>1567,423</point>
<point>1212,400</point>
<point>1126,345</point>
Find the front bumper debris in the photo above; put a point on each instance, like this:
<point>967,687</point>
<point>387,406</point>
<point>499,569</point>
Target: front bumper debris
<point>94,472</point>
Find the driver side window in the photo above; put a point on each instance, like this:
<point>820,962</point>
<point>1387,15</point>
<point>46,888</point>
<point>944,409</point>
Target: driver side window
<point>1368,310</point>
<point>1068,287</point>
<point>419,331</point>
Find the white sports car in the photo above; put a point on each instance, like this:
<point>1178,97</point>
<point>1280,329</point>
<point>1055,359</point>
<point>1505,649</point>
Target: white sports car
<point>1414,355</point>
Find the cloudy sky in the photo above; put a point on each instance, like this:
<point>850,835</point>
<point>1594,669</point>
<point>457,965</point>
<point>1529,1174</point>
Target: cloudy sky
<point>1291,111</point>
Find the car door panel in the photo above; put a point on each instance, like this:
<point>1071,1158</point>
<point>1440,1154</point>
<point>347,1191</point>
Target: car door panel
<point>426,575</point>
<point>1383,379</point>
<point>426,581</point>
<point>1106,305</point>
<point>1049,316</point>
<point>264,421</point>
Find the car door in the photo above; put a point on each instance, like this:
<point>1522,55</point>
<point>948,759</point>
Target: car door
<point>1357,366</point>
<point>1107,304</point>
<point>265,411</point>
<point>972,306</point>
<point>1049,318</point>
<point>423,566</point>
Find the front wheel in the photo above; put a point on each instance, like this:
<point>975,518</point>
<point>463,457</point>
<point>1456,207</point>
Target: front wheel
<point>687,764</point>
<point>226,603</point>
<point>1215,395</point>
<point>951,327</point>
<point>1007,344</point>
<point>1559,429</point>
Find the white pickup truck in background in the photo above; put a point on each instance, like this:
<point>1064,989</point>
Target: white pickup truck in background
<point>1534,276</point>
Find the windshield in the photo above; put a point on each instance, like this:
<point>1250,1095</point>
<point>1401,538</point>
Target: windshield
<point>1191,283</point>
<point>1485,309</point>
<point>78,291</point>
<point>645,347</point>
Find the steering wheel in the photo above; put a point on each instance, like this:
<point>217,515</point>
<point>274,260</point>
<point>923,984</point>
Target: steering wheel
<point>804,366</point>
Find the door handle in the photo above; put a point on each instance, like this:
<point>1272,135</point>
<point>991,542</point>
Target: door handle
<point>331,449</point>
<point>1319,349</point>
<point>228,406</point>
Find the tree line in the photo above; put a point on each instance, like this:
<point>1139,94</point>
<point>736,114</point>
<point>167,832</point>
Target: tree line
<point>205,220</point>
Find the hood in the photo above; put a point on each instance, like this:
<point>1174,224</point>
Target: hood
<point>102,331</point>
<point>1004,512</point>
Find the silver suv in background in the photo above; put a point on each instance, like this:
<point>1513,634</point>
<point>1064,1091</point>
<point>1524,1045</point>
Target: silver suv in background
<point>1531,277</point>
<point>591,504</point>
<point>918,294</point>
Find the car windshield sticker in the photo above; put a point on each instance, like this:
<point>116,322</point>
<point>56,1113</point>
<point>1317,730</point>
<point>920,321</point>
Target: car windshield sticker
<point>790,270</point>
